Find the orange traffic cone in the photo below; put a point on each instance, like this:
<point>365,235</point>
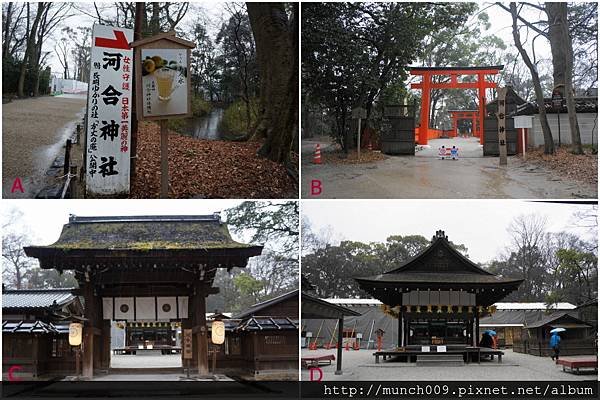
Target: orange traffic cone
<point>317,158</point>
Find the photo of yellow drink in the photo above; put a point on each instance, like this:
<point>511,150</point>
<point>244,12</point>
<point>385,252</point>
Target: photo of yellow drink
<point>164,82</point>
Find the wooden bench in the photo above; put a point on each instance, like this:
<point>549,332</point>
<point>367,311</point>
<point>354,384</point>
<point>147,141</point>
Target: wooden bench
<point>312,362</point>
<point>575,364</point>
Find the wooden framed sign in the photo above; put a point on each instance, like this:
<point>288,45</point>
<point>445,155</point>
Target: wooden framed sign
<point>162,77</point>
<point>187,344</point>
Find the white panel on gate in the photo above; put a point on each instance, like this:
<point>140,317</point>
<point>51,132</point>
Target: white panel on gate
<point>107,308</point>
<point>145,309</point>
<point>423,298</point>
<point>414,298</point>
<point>454,298</point>
<point>123,308</point>
<point>434,297</point>
<point>405,298</point>
<point>183,307</point>
<point>108,111</point>
<point>167,308</point>
<point>444,297</point>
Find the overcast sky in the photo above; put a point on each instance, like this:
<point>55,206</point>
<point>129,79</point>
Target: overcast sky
<point>45,218</point>
<point>214,12</point>
<point>481,225</point>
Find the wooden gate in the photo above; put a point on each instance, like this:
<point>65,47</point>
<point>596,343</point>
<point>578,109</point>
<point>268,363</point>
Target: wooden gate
<point>397,131</point>
<point>490,139</point>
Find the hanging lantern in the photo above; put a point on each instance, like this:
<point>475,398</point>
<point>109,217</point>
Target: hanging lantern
<point>75,333</point>
<point>418,309</point>
<point>470,310</point>
<point>479,309</point>
<point>218,332</point>
<point>407,308</point>
<point>460,309</point>
<point>429,308</point>
<point>450,309</point>
<point>439,308</point>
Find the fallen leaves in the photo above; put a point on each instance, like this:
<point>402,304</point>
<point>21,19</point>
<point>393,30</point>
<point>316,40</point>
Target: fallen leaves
<point>207,169</point>
<point>582,168</point>
<point>340,157</point>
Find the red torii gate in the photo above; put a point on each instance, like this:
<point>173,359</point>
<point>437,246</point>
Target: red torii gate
<point>473,115</point>
<point>426,85</point>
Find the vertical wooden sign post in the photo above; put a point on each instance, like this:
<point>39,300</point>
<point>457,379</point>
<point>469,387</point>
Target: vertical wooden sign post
<point>359,113</point>
<point>163,88</point>
<point>187,348</point>
<point>502,125</point>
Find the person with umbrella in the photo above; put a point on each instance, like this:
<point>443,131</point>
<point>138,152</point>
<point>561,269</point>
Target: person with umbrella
<point>555,342</point>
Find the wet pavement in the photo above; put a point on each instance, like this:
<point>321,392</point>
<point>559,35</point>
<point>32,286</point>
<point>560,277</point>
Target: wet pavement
<point>426,176</point>
<point>34,132</point>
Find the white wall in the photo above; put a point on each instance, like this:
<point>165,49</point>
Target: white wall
<point>588,125</point>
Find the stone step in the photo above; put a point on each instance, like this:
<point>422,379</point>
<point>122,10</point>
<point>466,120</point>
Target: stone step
<point>448,360</point>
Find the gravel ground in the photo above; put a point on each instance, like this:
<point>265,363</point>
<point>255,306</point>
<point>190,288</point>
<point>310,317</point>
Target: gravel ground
<point>426,177</point>
<point>360,365</point>
<point>33,134</point>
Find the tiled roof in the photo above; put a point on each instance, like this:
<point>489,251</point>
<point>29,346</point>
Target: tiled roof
<point>255,309</point>
<point>143,233</point>
<point>33,327</point>
<point>267,323</point>
<point>36,298</point>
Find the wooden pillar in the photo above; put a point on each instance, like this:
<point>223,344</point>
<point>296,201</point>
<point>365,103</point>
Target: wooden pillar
<point>454,125</point>
<point>481,90</point>
<point>202,332</point>
<point>424,129</point>
<point>106,353</point>
<point>401,328</point>
<point>476,324</point>
<point>474,126</point>
<point>88,330</point>
<point>340,347</point>
<point>88,353</point>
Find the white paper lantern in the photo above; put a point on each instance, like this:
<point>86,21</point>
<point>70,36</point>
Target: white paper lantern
<point>75,333</point>
<point>218,332</point>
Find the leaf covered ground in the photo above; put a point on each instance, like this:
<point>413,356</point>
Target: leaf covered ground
<point>207,169</point>
<point>340,157</point>
<point>582,168</point>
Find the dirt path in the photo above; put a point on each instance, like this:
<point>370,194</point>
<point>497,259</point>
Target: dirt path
<point>425,177</point>
<point>33,134</point>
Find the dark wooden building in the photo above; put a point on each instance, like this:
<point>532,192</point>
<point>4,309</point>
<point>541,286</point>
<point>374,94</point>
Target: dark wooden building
<point>144,268</point>
<point>576,340</point>
<point>35,332</point>
<point>262,341</point>
<point>438,295</point>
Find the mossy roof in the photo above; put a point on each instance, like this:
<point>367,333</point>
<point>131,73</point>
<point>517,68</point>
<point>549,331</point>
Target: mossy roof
<point>146,233</point>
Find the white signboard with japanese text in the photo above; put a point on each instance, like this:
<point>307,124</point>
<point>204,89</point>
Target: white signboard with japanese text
<point>109,112</point>
<point>164,82</point>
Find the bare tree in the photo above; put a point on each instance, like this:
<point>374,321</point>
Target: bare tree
<point>562,60</point>
<point>527,254</point>
<point>539,94</point>
<point>15,263</point>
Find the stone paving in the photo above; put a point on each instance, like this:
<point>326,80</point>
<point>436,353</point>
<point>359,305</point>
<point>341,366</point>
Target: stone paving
<point>360,365</point>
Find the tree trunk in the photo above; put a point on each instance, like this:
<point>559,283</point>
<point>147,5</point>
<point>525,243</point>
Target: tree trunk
<point>7,22</point>
<point>155,19</point>
<point>277,54</point>
<point>31,35</point>
<point>138,26</point>
<point>539,93</point>
<point>562,62</point>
